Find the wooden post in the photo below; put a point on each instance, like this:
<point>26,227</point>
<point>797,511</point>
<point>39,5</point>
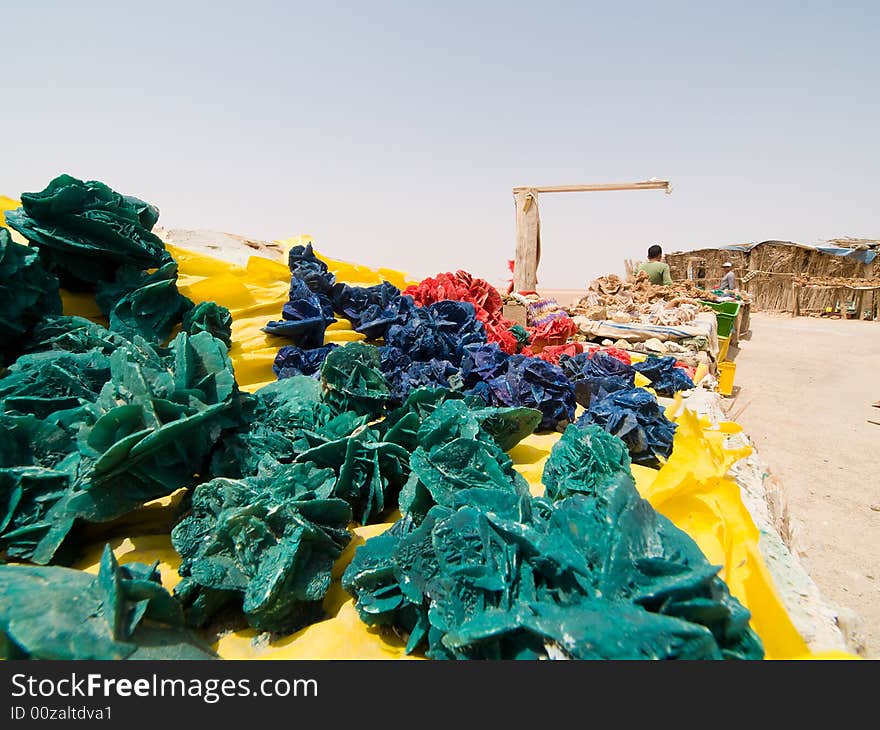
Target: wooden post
<point>795,309</point>
<point>528,240</point>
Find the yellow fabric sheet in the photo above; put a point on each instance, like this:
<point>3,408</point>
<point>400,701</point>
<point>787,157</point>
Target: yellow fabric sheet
<point>691,489</point>
<point>10,204</point>
<point>6,204</point>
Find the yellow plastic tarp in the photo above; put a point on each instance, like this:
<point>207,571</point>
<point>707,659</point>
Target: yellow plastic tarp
<point>691,489</point>
<point>10,204</point>
<point>6,204</point>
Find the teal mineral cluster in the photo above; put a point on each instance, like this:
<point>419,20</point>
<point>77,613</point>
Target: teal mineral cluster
<point>123,612</point>
<point>262,539</point>
<point>290,422</point>
<point>590,571</point>
<point>264,545</point>
<point>28,292</point>
<point>96,435</point>
<point>100,420</point>
<point>86,232</point>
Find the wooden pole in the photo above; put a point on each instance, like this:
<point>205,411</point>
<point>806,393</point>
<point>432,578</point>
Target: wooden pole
<point>528,240</point>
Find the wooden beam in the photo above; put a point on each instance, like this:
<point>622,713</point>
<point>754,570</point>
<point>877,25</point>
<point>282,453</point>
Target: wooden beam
<point>601,187</point>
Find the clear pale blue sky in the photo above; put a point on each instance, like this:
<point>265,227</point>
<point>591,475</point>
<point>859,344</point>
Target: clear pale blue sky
<point>393,132</point>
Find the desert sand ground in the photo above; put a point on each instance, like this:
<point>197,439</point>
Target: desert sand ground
<point>803,393</point>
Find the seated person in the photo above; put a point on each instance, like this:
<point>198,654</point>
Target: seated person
<point>657,271</point>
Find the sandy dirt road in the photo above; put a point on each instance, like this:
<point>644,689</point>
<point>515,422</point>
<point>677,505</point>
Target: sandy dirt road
<point>803,393</point>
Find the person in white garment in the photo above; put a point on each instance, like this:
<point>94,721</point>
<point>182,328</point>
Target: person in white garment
<point>728,281</point>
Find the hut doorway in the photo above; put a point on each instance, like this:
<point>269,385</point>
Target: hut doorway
<point>696,270</point>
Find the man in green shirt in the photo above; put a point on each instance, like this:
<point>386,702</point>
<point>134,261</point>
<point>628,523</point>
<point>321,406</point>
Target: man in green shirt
<point>657,271</point>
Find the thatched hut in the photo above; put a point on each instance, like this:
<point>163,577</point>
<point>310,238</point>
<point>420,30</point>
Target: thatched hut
<point>770,271</point>
<point>703,266</point>
<point>870,245</point>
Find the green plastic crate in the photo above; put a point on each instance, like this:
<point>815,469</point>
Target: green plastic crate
<point>724,307</point>
<point>725,323</point>
<point>726,314</point>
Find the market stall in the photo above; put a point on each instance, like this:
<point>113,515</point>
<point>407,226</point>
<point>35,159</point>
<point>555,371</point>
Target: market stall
<point>385,471</point>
